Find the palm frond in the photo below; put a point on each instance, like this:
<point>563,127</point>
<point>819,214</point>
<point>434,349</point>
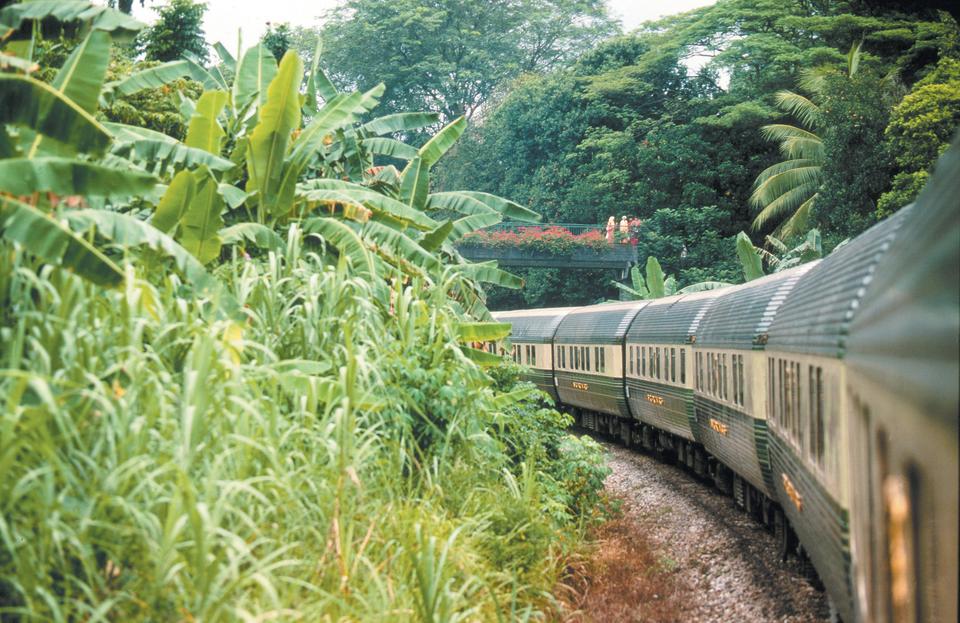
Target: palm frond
<point>785,205</point>
<point>772,185</point>
<point>799,222</point>
<point>800,107</point>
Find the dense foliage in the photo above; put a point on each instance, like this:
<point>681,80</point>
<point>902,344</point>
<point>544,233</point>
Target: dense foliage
<point>236,380</point>
<point>665,124</point>
<point>450,56</point>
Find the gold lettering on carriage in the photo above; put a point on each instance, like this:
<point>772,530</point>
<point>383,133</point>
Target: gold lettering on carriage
<point>654,400</point>
<point>583,386</point>
<point>792,492</point>
<point>718,426</point>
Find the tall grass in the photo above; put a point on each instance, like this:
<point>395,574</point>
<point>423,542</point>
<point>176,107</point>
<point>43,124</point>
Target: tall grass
<point>336,457</point>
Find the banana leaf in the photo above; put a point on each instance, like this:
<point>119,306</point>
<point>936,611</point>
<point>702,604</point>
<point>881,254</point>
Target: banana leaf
<point>471,202</point>
<point>442,141</point>
<point>255,233</point>
<point>483,331</point>
<point>64,176</point>
<point>51,240</point>
<point>151,78</point>
<point>400,122</point>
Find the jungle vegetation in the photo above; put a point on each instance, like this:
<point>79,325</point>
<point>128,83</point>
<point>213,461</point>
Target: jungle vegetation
<point>726,119</point>
<point>237,379</point>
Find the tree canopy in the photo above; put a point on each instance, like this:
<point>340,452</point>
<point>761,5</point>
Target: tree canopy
<point>450,56</point>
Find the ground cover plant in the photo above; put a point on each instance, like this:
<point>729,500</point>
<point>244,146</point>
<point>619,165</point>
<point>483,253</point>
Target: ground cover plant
<point>236,381</point>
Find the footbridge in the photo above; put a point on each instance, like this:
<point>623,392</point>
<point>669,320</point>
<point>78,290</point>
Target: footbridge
<point>551,245</point>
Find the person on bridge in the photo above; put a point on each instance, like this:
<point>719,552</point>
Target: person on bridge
<point>611,226</point>
<point>624,230</point>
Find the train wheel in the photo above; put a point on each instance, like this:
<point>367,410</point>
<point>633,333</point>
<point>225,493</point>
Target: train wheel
<point>783,534</point>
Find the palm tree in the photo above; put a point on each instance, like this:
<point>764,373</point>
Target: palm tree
<point>785,192</point>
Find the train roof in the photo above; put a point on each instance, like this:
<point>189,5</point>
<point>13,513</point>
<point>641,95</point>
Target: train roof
<point>673,319</point>
<point>907,335</point>
<point>741,316</point>
<point>598,324</point>
<point>533,325</point>
<point>816,317</point>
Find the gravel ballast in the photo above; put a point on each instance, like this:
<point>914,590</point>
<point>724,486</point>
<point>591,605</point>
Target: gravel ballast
<point>725,562</point>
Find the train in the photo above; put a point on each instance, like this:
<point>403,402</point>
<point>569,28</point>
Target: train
<point>823,399</point>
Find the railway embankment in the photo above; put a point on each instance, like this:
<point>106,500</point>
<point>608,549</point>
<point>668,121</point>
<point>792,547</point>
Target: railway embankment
<point>681,551</point>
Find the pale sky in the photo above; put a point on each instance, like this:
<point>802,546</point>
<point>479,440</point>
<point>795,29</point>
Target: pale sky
<point>225,17</point>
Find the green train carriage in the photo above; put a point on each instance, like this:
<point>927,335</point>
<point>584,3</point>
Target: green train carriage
<point>901,397</point>
<point>531,336</point>
<point>729,389</point>
<point>588,356</point>
<point>659,374</point>
<point>805,377</point>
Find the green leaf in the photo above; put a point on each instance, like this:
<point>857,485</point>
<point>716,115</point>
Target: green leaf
<point>400,246</point>
<point>256,70</point>
<point>157,151</point>
<point>255,233</point>
<point>346,241</point>
<point>226,57</point>
<point>434,239</point>
<point>175,201</point>
<point>95,16</point>
<point>471,202</point>
<point>201,223</point>
<point>483,331</point>
<point>442,141</point>
<point>81,77</point>
<point>38,106</point>
<point>488,272</point>
<point>637,294</point>
<point>128,231</point>
<point>400,122</point>
<point>152,78</point>
<point>51,240</point>
<point>655,278</point>
<point>415,184</point>
<point>204,131</point>
<point>469,224</point>
<point>669,286</point>
<point>347,192</point>
<point>64,176</point>
<point>267,148</point>
<point>482,357</point>
<point>318,85</point>
<point>389,147</point>
<point>232,195</point>
<point>749,259</point>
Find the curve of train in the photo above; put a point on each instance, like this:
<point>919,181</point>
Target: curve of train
<point>824,399</point>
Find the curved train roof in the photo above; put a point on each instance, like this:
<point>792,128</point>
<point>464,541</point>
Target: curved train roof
<point>533,325</point>
<point>673,319</point>
<point>816,317</point>
<point>908,333</point>
<point>598,324</point>
<point>741,316</point>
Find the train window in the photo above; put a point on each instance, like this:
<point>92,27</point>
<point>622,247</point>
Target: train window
<point>683,365</point>
<point>643,360</point>
<point>636,353</point>
<point>596,357</point>
<point>723,382</point>
<point>603,359</point>
<point>575,359</point>
<point>771,411</point>
<point>743,387</point>
<point>673,365</point>
<point>736,381</point>
<point>586,358</point>
<point>817,433</point>
<point>659,364</point>
<point>533,352</point>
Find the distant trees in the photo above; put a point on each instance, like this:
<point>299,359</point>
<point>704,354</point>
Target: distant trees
<point>278,38</point>
<point>449,56</point>
<point>631,128</point>
<point>178,29</point>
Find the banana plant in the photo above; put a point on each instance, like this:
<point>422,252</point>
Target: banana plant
<point>656,284</point>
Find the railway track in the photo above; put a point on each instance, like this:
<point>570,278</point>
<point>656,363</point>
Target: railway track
<point>726,563</point>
